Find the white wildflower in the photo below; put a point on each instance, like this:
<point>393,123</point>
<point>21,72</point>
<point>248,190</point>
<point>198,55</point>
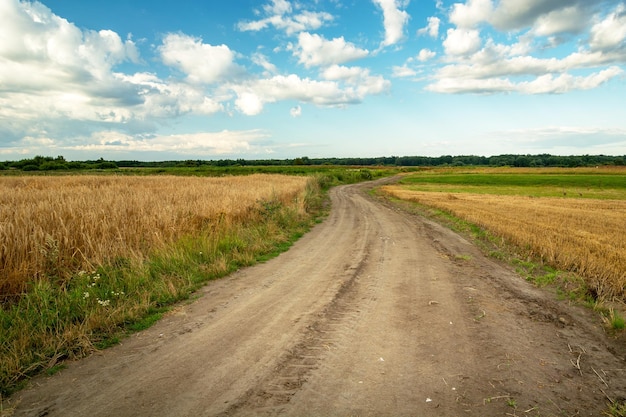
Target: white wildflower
<point>104,303</point>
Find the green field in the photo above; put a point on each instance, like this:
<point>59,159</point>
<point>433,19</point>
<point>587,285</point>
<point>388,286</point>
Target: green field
<point>605,184</point>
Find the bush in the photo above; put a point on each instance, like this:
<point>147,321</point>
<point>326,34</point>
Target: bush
<point>53,166</point>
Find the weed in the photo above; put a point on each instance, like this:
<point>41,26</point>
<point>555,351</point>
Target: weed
<point>616,409</point>
<point>55,369</point>
<point>614,320</point>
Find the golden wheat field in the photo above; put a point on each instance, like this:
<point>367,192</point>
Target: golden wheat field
<point>584,236</point>
<point>52,227</point>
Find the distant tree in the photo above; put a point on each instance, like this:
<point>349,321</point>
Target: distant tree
<point>53,166</point>
<point>106,165</point>
<point>574,162</point>
<point>76,165</point>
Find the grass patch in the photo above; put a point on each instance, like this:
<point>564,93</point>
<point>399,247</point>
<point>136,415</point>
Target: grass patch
<point>568,183</point>
<point>616,409</point>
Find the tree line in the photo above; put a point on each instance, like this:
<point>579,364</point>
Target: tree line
<point>47,163</point>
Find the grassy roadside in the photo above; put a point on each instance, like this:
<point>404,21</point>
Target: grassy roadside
<point>95,308</point>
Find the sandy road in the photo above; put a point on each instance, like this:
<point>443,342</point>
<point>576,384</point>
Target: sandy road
<point>375,312</point>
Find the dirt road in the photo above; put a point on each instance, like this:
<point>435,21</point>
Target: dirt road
<point>375,312</point>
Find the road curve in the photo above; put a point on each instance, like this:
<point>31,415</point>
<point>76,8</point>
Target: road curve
<point>375,312</point>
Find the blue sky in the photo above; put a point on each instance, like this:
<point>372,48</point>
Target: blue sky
<point>162,80</point>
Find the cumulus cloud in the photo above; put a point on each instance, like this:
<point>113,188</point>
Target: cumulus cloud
<point>461,41</point>
<point>165,99</point>
<point>249,103</point>
<point>341,86</point>
<point>546,17</point>
<point>425,55</point>
<point>403,71</point>
<point>202,63</point>
<point>279,14</point>
<point>517,14</point>
<point>56,78</point>
<point>394,20</point>
<point>567,20</point>
<point>432,29</point>
<point>610,32</point>
<point>359,80</point>
<point>470,14</point>
<point>315,50</point>
<point>50,69</point>
<point>475,63</point>
<point>42,51</point>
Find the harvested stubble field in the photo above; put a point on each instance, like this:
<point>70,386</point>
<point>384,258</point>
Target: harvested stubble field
<point>581,231</point>
<point>82,258</point>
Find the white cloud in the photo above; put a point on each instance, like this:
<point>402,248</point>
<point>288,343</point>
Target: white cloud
<point>472,13</point>
<point>296,111</point>
<point>461,41</point>
<point>41,50</point>
<point>262,61</point>
<point>343,86</point>
<point>163,99</point>
<point>279,15</point>
<point>543,84</point>
<point>201,143</point>
<point>60,76</point>
<point>394,20</point>
<point>50,69</point>
<point>203,63</point>
<point>425,55</point>
<point>249,103</point>
<point>432,29</point>
<point>403,71</point>
<point>564,83</point>
<point>512,15</point>
<point>123,145</point>
<point>567,20</point>
<point>497,60</point>
<point>611,32</point>
<point>359,80</point>
<point>546,17</point>
<point>315,50</point>
<point>278,7</point>
<point>513,66</point>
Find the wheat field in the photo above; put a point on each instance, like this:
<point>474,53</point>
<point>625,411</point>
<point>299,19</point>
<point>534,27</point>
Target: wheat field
<point>584,236</point>
<point>54,227</point>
